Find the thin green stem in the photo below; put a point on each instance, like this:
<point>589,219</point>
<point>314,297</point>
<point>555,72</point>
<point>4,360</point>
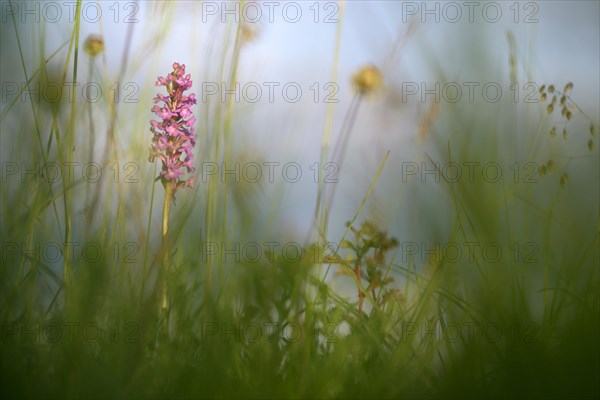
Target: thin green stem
<point>340,148</point>
<point>164,303</point>
<point>227,136</point>
<point>92,134</point>
<point>67,265</point>
<point>362,204</point>
<point>320,229</point>
<point>145,263</point>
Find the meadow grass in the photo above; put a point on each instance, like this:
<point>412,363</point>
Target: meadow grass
<point>356,319</point>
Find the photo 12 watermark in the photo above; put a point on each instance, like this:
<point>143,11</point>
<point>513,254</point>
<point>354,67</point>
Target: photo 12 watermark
<point>269,172</point>
<point>68,92</point>
<point>470,92</point>
<point>469,172</point>
<point>53,12</point>
<point>452,12</point>
<point>253,12</point>
<point>69,172</point>
<point>14,252</point>
<point>69,332</point>
<point>451,252</point>
<point>272,332</point>
<point>269,91</point>
<point>420,333</point>
<point>470,252</point>
<point>467,332</point>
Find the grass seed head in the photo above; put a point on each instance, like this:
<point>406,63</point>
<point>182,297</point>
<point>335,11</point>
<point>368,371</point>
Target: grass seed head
<point>568,87</point>
<point>94,45</point>
<point>568,115</point>
<point>367,80</point>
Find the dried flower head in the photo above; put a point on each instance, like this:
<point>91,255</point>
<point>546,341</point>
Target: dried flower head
<point>367,80</point>
<point>249,32</point>
<point>563,100</point>
<point>568,87</point>
<point>568,115</point>
<point>94,45</point>
<point>174,138</point>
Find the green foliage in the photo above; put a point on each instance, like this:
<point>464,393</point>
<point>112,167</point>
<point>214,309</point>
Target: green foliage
<point>368,262</point>
<point>525,326</point>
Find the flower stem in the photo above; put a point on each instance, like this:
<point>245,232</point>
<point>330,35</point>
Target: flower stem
<point>164,304</point>
<point>361,295</point>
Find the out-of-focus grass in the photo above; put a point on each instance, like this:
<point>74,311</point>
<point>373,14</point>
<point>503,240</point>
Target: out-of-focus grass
<point>277,328</point>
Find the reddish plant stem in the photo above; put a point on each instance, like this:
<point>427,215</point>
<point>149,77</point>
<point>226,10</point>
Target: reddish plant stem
<point>361,295</point>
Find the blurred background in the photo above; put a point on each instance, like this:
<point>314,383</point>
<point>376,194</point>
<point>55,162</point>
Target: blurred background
<point>351,111</point>
<point>294,43</point>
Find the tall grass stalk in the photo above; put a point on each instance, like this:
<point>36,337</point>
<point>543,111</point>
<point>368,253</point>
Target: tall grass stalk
<point>320,216</point>
<point>68,197</point>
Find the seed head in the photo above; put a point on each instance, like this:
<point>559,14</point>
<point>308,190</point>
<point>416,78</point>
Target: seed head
<point>568,87</point>
<point>367,80</point>
<point>94,45</point>
<point>568,115</point>
<point>563,100</point>
<point>249,32</point>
